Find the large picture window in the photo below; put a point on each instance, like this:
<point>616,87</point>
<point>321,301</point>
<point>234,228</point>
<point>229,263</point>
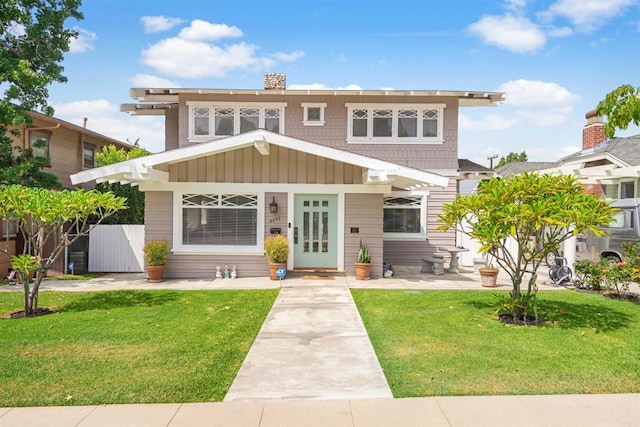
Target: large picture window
<point>402,123</point>
<point>219,120</point>
<point>220,219</point>
<point>404,216</point>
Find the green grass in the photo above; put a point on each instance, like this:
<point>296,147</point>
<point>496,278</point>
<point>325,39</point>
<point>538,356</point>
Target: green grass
<point>438,343</point>
<point>127,346</point>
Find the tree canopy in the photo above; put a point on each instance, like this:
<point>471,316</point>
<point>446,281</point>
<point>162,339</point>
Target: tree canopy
<point>621,107</point>
<point>42,215</point>
<point>33,40</point>
<point>512,157</point>
<point>536,212</point>
<point>109,155</point>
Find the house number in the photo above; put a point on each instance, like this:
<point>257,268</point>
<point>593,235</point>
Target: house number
<point>274,219</point>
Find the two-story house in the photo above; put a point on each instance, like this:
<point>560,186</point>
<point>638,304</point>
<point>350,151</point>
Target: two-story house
<point>69,148</point>
<point>326,168</point>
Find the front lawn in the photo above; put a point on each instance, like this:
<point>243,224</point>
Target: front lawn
<point>438,343</point>
<point>127,346</point>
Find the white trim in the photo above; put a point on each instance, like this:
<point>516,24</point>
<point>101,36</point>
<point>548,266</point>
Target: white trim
<point>422,235</point>
<point>236,106</point>
<point>179,248</point>
<point>405,176</point>
<point>305,112</point>
<point>394,138</point>
<point>204,187</point>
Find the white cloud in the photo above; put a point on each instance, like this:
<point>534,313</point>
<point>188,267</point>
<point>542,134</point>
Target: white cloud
<point>200,30</point>
<point>535,93</point>
<point>182,58</point>
<point>551,154</point>
<point>155,24</point>
<point>559,31</point>
<point>489,122</point>
<point>513,33</point>
<point>192,54</point>
<point>106,118</point>
<point>83,42</point>
<point>321,86</point>
<point>586,15</point>
<point>514,5</point>
<point>147,80</point>
<point>545,117</point>
<point>287,57</point>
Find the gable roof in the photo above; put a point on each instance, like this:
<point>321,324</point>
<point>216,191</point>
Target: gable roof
<point>144,168</point>
<point>516,168</point>
<point>607,162</point>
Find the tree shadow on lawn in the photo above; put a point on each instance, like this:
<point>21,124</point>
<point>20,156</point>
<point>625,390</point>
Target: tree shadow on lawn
<point>574,315</point>
<point>118,299</point>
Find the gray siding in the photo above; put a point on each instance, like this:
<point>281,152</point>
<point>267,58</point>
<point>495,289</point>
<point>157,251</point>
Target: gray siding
<point>409,253</point>
<point>171,129</point>
<point>282,165</point>
<point>363,211</point>
<point>334,132</point>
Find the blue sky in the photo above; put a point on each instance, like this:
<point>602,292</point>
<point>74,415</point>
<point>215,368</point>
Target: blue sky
<point>555,59</point>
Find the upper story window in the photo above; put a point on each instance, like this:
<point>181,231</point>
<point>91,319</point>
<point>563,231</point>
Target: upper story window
<point>401,123</point>
<point>226,119</point>
<point>627,189</point>
<point>313,114</point>
<point>39,143</point>
<point>89,155</point>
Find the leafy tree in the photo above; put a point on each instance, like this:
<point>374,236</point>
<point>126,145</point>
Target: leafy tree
<point>622,107</point>
<point>33,40</point>
<point>42,215</point>
<point>111,154</point>
<point>527,208</point>
<point>512,157</point>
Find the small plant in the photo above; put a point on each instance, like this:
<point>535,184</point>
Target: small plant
<point>156,252</point>
<point>277,249</point>
<point>591,274</point>
<point>363,254</point>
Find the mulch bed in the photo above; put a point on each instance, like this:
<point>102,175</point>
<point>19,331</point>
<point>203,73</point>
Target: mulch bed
<point>20,313</point>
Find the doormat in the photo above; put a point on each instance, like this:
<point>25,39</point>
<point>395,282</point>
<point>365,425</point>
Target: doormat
<point>317,277</point>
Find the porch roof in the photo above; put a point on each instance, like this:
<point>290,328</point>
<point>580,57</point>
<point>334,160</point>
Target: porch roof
<point>150,168</point>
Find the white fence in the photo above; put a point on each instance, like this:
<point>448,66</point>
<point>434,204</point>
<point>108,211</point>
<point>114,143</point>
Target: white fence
<point>116,249</point>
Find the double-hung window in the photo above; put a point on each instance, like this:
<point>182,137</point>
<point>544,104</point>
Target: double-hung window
<point>89,155</point>
<point>219,221</point>
<point>404,216</point>
<point>207,120</point>
<point>401,123</point>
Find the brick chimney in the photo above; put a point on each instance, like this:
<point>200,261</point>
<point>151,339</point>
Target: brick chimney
<point>592,133</point>
<point>275,81</point>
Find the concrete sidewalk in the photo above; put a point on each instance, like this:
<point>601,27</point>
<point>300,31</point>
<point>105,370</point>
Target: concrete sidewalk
<point>522,411</point>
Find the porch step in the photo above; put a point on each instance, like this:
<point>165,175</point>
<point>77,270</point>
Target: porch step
<point>317,273</point>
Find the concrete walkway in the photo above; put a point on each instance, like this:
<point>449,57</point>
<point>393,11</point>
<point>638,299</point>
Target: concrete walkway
<point>313,345</point>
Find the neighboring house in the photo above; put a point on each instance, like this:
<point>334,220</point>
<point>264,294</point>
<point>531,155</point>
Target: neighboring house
<point>70,149</point>
<point>516,168</point>
<point>470,174</point>
<point>326,168</point>
<point>609,168</point>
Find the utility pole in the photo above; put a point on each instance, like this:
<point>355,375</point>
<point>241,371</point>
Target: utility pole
<point>490,158</point>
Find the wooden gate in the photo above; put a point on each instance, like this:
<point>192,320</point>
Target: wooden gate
<point>116,249</point>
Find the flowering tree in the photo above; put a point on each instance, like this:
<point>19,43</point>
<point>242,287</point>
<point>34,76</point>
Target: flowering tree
<point>43,216</point>
<point>538,212</point>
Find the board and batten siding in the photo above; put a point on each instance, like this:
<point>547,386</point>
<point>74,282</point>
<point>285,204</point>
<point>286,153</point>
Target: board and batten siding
<point>410,253</point>
<point>282,165</point>
<point>364,212</point>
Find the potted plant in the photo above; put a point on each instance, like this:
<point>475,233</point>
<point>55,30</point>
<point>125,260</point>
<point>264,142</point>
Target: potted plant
<point>156,253</point>
<point>488,274</point>
<point>277,250</point>
<point>363,264</point>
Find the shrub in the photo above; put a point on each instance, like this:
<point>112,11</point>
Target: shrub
<point>156,252</point>
<point>277,249</point>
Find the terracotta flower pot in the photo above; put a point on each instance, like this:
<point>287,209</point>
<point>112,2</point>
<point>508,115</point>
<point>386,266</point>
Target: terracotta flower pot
<point>155,273</point>
<point>273,268</point>
<point>489,277</point>
<point>363,270</point>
